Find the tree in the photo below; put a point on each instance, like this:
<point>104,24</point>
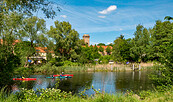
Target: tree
<point>28,7</point>
<point>101,49</point>
<point>168,18</point>
<point>95,52</point>
<point>161,36</point>
<point>101,44</point>
<point>162,45</point>
<point>66,39</point>
<point>140,43</point>
<point>8,33</point>
<point>110,44</point>
<point>108,50</point>
<point>12,13</point>
<point>120,51</point>
<point>33,29</point>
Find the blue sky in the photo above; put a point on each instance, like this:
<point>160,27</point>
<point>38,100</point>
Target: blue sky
<point>105,20</point>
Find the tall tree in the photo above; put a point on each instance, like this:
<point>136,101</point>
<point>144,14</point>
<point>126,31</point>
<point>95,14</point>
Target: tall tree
<point>33,29</point>
<point>120,51</point>
<point>162,45</point>
<point>161,36</point>
<point>66,39</point>
<point>139,43</point>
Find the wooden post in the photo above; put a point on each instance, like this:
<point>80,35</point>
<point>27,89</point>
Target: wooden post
<point>139,67</point>
<point>111,68</point>
<point>133,67</point>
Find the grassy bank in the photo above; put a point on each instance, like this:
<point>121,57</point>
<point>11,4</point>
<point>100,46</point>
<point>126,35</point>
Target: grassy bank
<point>52,69</point>
<point>54,95</point>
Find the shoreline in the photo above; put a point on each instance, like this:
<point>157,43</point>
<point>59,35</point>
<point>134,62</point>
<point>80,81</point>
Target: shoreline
<point>49,69</point>
<point>106,67</point>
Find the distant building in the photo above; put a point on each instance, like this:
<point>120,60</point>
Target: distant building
<point>86,39</point>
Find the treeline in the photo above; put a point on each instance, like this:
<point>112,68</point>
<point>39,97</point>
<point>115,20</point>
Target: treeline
<point>147,44</point>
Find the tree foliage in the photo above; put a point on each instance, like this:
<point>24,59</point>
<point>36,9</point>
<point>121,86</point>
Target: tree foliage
<point>140,44</point>
<point>101,44</point>
<point>121,49</point>
<point>108,50</point>
<point>66,39</point>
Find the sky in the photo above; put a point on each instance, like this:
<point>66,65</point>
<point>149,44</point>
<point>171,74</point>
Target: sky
<point>105,20</point>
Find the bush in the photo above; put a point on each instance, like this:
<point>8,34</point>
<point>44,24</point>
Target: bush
<point>42,94</point>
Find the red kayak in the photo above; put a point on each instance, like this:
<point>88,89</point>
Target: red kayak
<point>64,75</point>
<point>25,79</point>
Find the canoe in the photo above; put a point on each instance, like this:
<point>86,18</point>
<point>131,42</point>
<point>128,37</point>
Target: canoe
<point>57,77</point>
<point>64,75</point>
<point>25,79</point>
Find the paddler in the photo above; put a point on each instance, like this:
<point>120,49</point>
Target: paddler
<point>23,77</point>
<point>61,74</point>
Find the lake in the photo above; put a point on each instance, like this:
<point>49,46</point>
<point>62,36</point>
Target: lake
<point>109,82</point>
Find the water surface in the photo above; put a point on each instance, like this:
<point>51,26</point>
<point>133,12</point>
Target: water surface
<point>109,82</point>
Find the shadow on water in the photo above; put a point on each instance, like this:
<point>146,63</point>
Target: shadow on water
<point>109,82</point>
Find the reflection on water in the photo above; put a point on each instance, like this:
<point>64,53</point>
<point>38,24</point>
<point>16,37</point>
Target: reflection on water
<point>109,82</point>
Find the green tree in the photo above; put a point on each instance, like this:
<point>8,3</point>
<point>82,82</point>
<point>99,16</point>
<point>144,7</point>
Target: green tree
<point>66,39</point>
<point>8,33</point>
<point>11,16</point>
<point>120,51</point>
<point>168,18</point>
<point>140,43</point>
<point>28,7</point>
<point>162,45</point>
<point>161,36</point>
<point>108,50</point>
<point>101,44</point>
<point>86,55</point>
<point>110,44</point>
<point>101,49</point>
<point>33,29</point>
<point>95,52</point>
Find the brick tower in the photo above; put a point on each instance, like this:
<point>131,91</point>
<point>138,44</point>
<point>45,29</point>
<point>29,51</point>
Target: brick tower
<point>86,39</point>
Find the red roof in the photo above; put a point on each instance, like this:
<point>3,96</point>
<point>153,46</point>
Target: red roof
<point>15,41</point>
<point>42,50</point>
<point>102,46</point>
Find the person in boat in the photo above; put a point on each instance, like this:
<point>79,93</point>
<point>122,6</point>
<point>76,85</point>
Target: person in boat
<point>62,73</point>
<point>23,77</point>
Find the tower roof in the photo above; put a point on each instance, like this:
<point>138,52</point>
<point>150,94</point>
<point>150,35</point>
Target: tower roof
<point>86,35</point>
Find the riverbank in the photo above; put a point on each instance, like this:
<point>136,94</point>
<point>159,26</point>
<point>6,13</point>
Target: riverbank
<point>54,95</point>
<point>119,67</point>
<point>106,67</point>
<point>52,69</point>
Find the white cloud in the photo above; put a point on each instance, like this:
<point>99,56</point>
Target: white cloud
<point>108,10</point>
<point>102,16</point>
<point>63,16</point>
<point>109,43</point>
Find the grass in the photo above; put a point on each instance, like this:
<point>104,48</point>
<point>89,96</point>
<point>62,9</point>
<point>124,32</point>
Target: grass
<point>145,96</point>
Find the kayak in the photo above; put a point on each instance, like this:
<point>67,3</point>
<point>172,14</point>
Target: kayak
<point>57,77</point>
<point>64,75</point>
<point>24,78</point>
